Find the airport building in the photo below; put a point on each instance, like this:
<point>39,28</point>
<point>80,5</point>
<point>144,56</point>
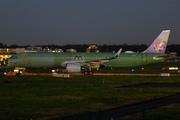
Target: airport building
<point>50,50</point>
<point>71,50</point>
<point>33,49</point>
<point>92,48</point>
<point>4,57</point>
<point>58,50</point>
<point>4,51</point>
<point>20,50</point>
<point>8,52</point>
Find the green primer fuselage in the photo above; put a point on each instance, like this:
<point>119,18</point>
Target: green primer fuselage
<point>35,60</point>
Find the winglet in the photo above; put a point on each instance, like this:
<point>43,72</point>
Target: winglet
<point>117,54</point>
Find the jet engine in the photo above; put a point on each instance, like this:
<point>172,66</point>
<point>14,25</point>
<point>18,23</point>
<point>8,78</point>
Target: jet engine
<point>73,68</point>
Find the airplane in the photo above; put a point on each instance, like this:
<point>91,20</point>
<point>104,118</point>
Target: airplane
<point>76,62</point>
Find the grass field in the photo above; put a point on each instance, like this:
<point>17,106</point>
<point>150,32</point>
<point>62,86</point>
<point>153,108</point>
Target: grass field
<point>35,97</point>
<point>32,97</point>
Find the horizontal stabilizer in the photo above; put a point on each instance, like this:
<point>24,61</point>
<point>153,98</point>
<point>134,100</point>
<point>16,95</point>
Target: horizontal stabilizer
<point>165,57</point>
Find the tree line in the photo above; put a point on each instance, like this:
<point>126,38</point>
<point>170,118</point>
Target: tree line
<point>101,48</point>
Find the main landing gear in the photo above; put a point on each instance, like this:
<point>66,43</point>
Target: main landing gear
<point>88,72</point>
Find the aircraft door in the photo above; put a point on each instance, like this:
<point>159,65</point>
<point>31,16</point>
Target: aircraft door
<point>23,57</point>
<point>144,57</point>
<point>29,60</point>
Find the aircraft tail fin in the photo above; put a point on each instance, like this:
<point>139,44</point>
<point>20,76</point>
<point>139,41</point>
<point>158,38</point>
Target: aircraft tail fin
<point>159,44</point>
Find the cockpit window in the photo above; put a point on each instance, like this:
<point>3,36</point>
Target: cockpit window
<point>13,57</point>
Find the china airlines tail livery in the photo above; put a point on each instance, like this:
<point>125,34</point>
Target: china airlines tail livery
<point>159,44</point>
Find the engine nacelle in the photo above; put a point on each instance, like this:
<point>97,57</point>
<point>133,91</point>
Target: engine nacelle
<point>73,68</point>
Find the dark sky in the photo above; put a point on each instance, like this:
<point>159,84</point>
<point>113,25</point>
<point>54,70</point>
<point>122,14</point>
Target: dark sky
<point>32,22</point>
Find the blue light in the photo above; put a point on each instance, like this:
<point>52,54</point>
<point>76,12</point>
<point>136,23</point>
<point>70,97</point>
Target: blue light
<point>132,70</point>
<point>57,69</point>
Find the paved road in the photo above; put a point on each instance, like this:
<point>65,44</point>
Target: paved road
<point>130,74</point>
<point>107,74</point>
<point>124,110</point>
<point>159,85</point>
<point>131,109</point>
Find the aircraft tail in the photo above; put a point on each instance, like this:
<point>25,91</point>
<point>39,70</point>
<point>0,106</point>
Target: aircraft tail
<point>159,44</point>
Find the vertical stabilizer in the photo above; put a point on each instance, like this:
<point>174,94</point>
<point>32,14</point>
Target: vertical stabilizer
<point>159,44</point>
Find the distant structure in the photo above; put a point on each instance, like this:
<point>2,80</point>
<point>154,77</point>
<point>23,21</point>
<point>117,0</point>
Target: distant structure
<point>129,52</point>
<point>11,50</point>
<point>6,53</point>
<point>50,50</point>
<point>92,48</point>
<point>46,49</point>
<point>33,49</point>
<point>4,57</point>
<point>173,53</point>
<point>71,50</point>
<point>58,50</point>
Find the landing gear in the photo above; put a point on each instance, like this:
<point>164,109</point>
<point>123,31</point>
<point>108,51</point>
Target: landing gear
<point>88,72</point>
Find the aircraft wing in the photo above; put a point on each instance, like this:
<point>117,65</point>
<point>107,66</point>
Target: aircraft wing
<point>100,61</point>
